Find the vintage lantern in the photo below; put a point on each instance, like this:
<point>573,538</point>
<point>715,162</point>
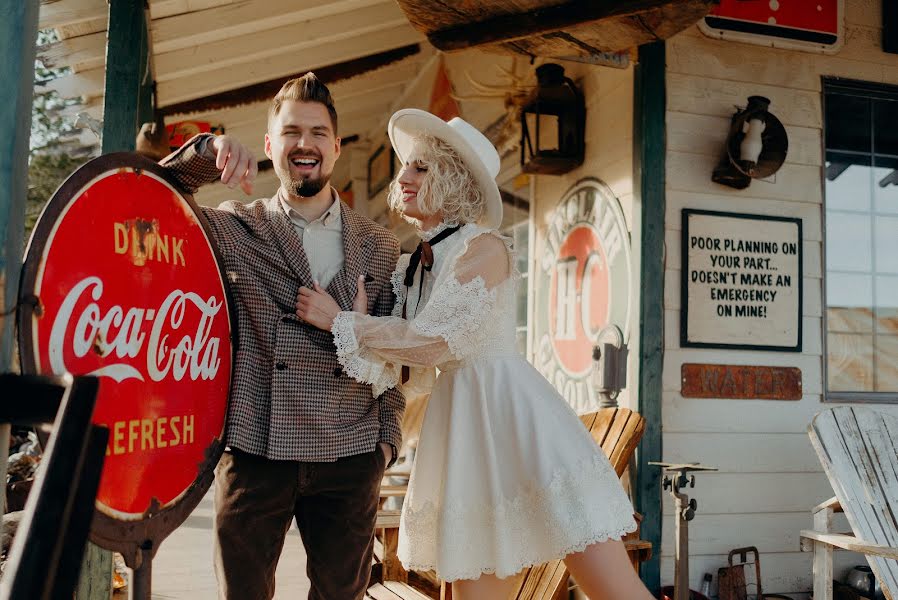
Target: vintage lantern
<point>756,146</point>
<point>553,124</point>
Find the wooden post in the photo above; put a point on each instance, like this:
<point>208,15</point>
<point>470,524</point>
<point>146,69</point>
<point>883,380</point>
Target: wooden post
<point>128,76</point>
<point>18,39</point>
<point>127,103</point>
<point>648,178</point>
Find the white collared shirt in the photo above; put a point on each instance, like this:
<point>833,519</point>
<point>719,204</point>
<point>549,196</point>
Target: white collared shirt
<point>322,239</point>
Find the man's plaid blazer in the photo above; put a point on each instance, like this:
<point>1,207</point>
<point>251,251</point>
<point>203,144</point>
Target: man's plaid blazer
<point>290,399</point>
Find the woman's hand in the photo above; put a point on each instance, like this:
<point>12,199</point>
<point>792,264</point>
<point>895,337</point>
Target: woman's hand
<point>316,307</point>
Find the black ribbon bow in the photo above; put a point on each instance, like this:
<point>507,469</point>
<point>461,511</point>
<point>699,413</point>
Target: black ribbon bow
<point>423,256</point>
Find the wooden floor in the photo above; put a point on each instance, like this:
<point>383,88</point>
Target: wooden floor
<point>393,590</point>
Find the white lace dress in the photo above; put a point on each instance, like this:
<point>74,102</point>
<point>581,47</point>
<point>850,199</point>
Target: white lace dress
<point>505,474</point>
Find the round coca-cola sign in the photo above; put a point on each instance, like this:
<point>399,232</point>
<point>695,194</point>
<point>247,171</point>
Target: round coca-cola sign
<point>126,286</point>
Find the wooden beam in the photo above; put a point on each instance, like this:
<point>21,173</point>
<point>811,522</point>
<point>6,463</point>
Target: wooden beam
<point>266,90</point>
<point>283,66</point>
<point>507,27</point>
<point>650,145</point>
<point>127,65</point>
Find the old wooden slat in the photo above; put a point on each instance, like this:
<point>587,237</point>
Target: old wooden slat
<point>246,48</point>
<point>649,173</point>
<point>86,51</point>
<point>200,27</point>
<point>404,591</point>
<point>857,449</point>
<point>217,80</point>
<point>379,592</point>
<point>54,13</point>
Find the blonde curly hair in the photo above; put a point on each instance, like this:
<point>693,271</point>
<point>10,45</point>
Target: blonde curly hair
<point>449,185</point>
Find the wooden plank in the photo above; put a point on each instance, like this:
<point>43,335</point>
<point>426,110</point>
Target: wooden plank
<point>850,542</point>
<point>87,51</point>
<point>856,447</point>
<point>160,9</point>
<point>702,415</point>
<point>716,534</point>
<point>741,494</point>
<point>649,111</point>
<point>387,519</point>
<point>744,452</point>
<point>706,135</point>
<point>404,591</point>
<point>712,200</point>
<point>239,50</point>
<point>706,95</point>
<point>795,183</point>
<point>54,13</point>
<point>226,78</point>
<point>96,574</point>
<point>200,27</point>
<point>379,592</point>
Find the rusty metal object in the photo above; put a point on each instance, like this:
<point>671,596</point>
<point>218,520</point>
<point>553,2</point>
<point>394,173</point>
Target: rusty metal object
<point>747,382</point>
<point>731,579</point>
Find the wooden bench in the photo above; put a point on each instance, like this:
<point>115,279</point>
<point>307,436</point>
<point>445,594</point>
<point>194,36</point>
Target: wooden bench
<point>858,448</point>
<point>616,430</point>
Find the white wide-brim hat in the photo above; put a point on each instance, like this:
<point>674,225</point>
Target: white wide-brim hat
<point>477,152</point>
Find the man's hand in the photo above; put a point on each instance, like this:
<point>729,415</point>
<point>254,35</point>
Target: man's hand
<point>360,304</point>
<point>316,307</point>
<point>237,164</point>
<point>387,450</point>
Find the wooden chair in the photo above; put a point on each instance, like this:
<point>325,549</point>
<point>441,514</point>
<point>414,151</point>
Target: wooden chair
<point>858,448</point>
<point>617,431</point>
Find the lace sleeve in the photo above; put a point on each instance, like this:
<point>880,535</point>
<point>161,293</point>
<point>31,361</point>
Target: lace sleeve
<point>374,349</point>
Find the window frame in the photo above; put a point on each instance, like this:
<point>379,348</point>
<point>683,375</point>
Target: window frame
<point>871,91</point>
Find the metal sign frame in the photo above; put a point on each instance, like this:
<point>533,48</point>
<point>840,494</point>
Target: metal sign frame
<point>137,540</point>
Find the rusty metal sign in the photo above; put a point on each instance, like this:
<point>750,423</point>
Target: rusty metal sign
<point>745,382</point>
<point>122,281</point>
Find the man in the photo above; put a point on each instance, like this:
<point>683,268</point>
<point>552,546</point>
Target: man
<point>304,440</point>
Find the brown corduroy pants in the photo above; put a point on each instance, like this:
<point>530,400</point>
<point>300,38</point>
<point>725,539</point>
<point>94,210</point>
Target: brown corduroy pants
<point>334,504</point>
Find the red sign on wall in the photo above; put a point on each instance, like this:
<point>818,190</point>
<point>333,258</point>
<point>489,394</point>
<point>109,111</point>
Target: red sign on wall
<point>807,25</point>
<point>129,290</point>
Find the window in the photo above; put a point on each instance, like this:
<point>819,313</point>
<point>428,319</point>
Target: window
<point>861,240</point>
<point>516,225</point>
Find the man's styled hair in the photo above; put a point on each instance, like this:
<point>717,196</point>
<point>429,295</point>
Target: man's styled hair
<point>307,88</point>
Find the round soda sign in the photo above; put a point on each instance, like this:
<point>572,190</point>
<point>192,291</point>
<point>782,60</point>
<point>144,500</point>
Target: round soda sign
<point>584,281</point>
<point>126,286</point>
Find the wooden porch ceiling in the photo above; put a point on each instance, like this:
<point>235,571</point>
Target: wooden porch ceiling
<point>551,28</point>
<point>209,55</point>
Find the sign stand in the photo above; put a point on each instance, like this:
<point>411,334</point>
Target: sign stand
<point>122,281</point>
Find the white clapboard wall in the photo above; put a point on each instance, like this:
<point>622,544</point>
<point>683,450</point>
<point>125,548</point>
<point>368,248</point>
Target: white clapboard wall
<point>769,474</point>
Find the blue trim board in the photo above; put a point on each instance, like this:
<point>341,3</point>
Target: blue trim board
<point>18,45</point>
<point>649,147</point>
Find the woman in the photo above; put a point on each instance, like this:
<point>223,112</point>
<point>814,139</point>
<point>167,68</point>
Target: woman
<point>505,474</point>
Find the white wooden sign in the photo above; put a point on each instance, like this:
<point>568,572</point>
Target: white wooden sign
<point>742,281</point>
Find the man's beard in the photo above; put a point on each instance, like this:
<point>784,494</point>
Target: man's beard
<point>304,187</point>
